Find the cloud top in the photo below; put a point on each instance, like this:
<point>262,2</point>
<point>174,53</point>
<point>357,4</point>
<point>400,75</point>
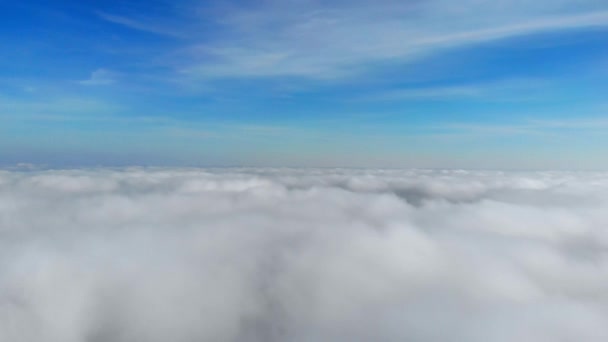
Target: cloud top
<point>302,255</point>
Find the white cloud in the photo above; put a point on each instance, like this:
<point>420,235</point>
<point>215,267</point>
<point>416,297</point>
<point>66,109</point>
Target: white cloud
<point>302,255</point>
<point>140,25</point>
<point>325,40</point>
<point>100,77</point>
<point>53,106</point>
<point>504,90</point>
<point>335,40</point>
<point>591,125</point>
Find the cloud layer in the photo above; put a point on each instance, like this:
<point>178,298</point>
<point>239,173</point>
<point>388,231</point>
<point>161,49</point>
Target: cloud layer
<point>302,255</point>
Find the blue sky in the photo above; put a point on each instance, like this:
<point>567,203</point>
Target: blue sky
<point>437,83</point>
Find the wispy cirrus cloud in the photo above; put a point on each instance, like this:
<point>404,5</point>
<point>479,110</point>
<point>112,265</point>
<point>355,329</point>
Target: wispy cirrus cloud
<point>538,127</point>
<point>335,40</point>
<point>57,105</point>
<point>503,90</point>
<point>309,39</point>
<point>100,77</point>
<point>150,26</point>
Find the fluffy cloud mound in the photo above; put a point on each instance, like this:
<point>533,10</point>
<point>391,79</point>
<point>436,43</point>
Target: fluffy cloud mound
<point>302,255</point>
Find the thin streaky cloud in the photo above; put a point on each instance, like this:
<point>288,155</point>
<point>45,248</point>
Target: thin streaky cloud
<point>140,25</point>
<point>501,90</point>
<point>528,127</point>
<point>519,29</point>
<point>100,77</point>
<point>329,44</point>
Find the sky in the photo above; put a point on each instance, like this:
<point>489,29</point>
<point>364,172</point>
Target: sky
<point>416,84</point>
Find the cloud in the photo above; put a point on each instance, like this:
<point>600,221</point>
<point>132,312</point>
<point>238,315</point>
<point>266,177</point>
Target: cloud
<point>301,255</point>
<point>100,77</point>
<point>54,108</point>
<point>140,25</point>
<point>591,125</point>
<point>335,40</point>
<point>504,90</point>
